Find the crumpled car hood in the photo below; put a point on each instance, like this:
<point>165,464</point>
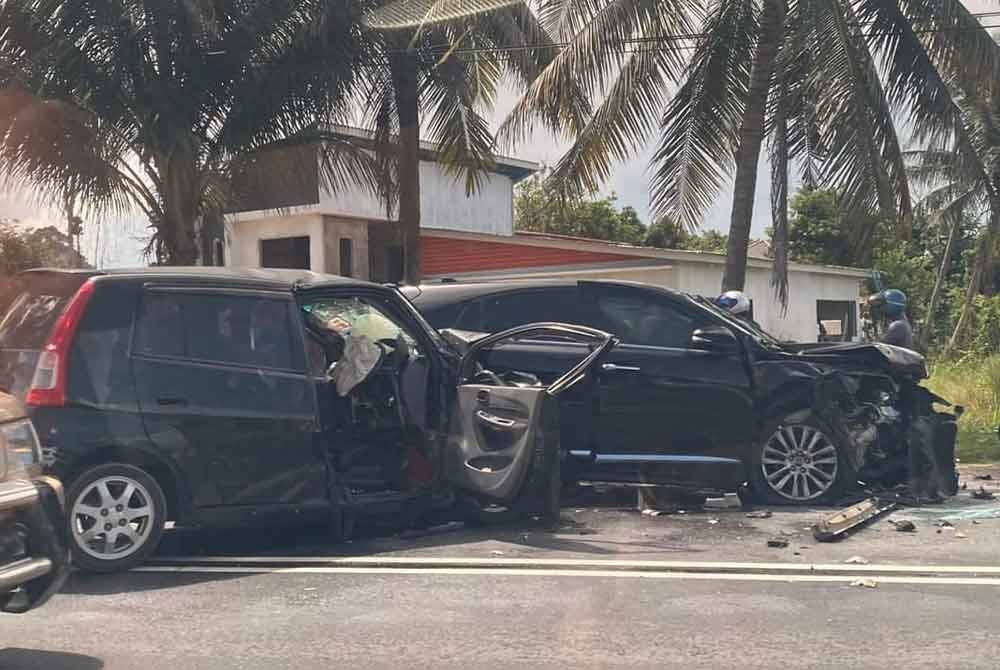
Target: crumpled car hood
<point>895,360</point>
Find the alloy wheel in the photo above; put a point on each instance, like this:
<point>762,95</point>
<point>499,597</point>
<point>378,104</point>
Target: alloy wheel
<point>799,462</point>
<point>112,518</point>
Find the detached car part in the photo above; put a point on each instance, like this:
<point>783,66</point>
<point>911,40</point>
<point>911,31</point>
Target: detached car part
<point>843,522</point>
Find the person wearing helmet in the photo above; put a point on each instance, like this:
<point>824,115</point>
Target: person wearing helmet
<point>736,303</point>
<point>892,303</point>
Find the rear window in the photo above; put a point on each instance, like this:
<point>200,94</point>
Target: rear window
<point>30,304</point>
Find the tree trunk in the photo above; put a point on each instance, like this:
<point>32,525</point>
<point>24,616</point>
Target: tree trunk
<point>772,23</point>
<point>404,78</point>
<point>925,334</point>
<point>978,268</point>
<point>181,196</point>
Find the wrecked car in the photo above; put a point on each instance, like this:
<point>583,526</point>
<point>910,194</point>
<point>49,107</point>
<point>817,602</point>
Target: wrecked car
<point>222,397</point>
<point>697,400</point>
<point>34,561</point>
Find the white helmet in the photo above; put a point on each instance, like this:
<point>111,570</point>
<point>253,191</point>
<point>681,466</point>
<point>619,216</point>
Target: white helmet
<point>734,301</point>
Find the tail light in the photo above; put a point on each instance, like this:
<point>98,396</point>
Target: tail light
<point>48,386</point>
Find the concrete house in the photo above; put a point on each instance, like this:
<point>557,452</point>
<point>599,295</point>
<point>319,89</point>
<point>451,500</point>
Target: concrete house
<point>473,238</point>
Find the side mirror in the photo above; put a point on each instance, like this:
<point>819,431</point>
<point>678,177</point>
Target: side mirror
<point>714,338</point>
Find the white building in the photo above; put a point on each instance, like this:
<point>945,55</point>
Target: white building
<point>472,237</point>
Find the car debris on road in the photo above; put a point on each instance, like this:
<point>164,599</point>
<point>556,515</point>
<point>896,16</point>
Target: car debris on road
<point>982,494</point>
<point>841,523</point>
<point>867,583</point>
<point>904,525</point>
<point>777,543</point>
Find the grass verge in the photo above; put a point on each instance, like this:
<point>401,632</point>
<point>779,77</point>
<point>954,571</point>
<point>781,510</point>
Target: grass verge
<point>973,383</point>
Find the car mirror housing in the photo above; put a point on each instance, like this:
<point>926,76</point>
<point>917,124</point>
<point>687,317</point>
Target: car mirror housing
<point>714,338</point>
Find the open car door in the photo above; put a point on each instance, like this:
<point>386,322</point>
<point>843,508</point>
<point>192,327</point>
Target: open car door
<point>503,442</point>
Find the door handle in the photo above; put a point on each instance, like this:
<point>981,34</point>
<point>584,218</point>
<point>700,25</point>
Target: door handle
<point>614,367</point>
<point>494,420</point>
<point>171,400</point>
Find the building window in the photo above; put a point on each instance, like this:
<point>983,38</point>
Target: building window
<point>346,257</point>
<point>394,264</point>
<point>836,320</point>
<point>285,252</point>
<point>218,253</point>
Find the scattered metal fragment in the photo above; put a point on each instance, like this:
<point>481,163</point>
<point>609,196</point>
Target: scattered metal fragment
<point>857,560</point>
<point>944,523</point>
<point>713,521</point>
<point>961,535</point>
<point>867,583</point>
<point>904,526</point>
<point>975,522</point>
<point>839,524</point>
<point>496,552</point>
<point>760,514</point>
<point>777,543</point>
<point>653,512</point>
<point>983,494</point>
<point>987,477</point>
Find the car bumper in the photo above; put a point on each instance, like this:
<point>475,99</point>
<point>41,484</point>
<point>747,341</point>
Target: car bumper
<point>34,559</point>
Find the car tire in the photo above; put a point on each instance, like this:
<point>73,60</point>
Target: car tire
<point>798,462</point>
<point>115,517</point>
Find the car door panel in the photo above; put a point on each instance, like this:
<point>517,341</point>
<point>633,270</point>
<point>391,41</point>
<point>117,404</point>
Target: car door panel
<point>499,433</point>
<point>244,435</point>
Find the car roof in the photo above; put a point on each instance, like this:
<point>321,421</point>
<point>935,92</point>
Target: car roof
<point>271,278</point>
<point>436,294</point>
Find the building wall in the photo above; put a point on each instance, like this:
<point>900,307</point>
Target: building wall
<point>451,255</point>
<point>443,203</point>
<point>243,238</point>
<point>334,230</point>
<point>804,289</point>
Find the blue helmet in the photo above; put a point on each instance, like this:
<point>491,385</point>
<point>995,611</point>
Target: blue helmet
<point>893,301</point>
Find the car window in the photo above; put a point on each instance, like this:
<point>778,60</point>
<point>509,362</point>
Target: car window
<point>516,308</point>
<point>638,319</point>
<point>30,304</point>
<point>248,331</point>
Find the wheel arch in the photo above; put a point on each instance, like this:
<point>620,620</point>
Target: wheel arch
<point>165,475</point>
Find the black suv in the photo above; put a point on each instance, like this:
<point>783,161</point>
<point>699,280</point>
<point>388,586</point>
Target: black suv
<point>695,398</point>
<point>224,397</point>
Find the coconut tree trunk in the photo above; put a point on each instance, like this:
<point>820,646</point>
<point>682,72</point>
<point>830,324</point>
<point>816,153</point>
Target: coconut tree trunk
<point>181,195</point>
<point>404,77</point>
<point>772,23</point>
<point>932,304</point>
<point>975,281</point>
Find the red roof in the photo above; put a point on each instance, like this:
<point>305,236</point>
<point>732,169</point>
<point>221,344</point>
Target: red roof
<point>443,256</point>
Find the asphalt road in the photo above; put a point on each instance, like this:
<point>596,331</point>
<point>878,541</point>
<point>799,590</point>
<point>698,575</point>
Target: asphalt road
<point>265,621</point>
<point>610,588</point>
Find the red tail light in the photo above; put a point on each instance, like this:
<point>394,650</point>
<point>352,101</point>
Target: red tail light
<point>48,386</point>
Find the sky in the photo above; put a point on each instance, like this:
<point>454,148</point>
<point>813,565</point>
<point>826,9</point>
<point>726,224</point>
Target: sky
<point>120,243</point>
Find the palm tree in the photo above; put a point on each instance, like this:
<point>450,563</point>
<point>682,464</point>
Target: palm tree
<point>438,63</point>
<point>802,74</point>
<point>161,106</point>
<point>963,175</point>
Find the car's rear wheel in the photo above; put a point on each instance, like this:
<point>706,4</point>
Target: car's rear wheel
<point>798,463</point>
<point>116,517</point>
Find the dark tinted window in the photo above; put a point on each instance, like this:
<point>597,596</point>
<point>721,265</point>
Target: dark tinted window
<point>516,308</point>
<point>640,319</point>
<point>219,328</point>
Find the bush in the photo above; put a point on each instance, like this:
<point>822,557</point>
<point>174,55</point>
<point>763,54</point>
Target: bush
<point>974,383</point>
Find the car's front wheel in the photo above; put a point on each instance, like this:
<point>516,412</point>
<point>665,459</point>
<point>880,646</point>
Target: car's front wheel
<point>116,517</point>
<point>798,463</point>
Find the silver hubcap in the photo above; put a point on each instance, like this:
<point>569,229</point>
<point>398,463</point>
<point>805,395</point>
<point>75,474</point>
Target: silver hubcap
<point>112,518</point>
<point>799,462</point>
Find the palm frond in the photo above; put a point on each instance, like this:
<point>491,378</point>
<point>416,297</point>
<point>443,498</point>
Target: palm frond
<point>698,127</point>
<point>419,14</point>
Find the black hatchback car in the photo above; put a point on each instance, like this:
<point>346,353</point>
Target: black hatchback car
<point>696,399</point>
<point>226,397</point>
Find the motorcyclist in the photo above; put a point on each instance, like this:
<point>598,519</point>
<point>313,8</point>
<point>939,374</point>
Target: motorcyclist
<point>739,305</point>
<point>892,304</point>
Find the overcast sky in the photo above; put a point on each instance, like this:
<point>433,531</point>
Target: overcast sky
<point>121,242</point>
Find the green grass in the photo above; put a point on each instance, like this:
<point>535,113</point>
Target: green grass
<point>973,383</point>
